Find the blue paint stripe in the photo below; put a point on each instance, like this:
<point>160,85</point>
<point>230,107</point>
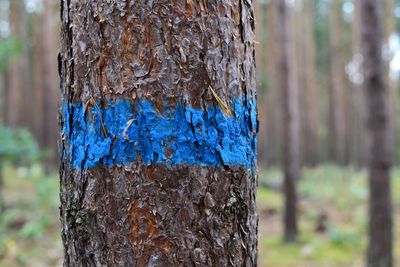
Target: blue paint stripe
<point>125,132</point>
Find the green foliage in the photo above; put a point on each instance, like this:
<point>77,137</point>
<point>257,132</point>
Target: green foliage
<point>29,227</point>
<point>18,145</point>
<point>9,48</point>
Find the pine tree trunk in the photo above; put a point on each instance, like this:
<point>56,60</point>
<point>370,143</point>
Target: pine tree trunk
<point>15,89</point>
<point>158,133</point>
<point>390,29</point>
<point>380,137</point>
<point>273,104</point>
<point>37,79</point>
<point>291,133</point>
<point>50,79</point>
<point>310,105</point>
<point>358,134</point>
<point>337,84</point>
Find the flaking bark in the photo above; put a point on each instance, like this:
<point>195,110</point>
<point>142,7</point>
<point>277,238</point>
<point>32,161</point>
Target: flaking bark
<point>166,52</point>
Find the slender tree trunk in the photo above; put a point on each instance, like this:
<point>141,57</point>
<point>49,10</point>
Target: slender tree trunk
<point>158,124</point>
<point>380,137</point>
<point>37,79</point>
<point>15,90</point>
<point>261,76</point>
<point>311,104</point>
<point>337,84</point>
<point>50,79</point>
<point>358,133</point>
<point>390,29</point>
<point>291,164</point>
<point>274,118</point>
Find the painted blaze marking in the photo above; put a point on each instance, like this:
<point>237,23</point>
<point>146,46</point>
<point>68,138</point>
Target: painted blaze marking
<point>126,132</point>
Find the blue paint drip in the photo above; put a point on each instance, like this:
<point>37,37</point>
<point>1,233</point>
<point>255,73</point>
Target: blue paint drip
<point>117,135</point>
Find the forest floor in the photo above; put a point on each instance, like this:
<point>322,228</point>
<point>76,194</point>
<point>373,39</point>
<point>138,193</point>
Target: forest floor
<point>333,218</point>
<point>332,199</point>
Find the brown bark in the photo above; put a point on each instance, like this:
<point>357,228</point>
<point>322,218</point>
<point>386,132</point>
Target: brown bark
<point>380,137</point>
<point>337,84</point>
<point>166,52</point>
<point>291,135</point>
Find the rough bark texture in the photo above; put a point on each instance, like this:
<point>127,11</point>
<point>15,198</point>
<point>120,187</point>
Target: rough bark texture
<point>195,54</point>
<point>291,134</point>
<point>380,137</point>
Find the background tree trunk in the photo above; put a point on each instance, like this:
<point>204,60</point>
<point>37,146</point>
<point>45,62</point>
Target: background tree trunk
<point>310,90</point>
<point>337,84</point>
<point>158,124</point>
<point>291,162</point>
<point>380,136</point>
<point>50,80</point>
<point>15,91</point>
<point>37,79</point>
<point>273,123</point>
<point>390,29</point>
<point>358,98</point>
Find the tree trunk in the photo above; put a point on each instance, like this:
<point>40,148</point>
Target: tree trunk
<point>50,80</point>
<point>310,105</point>
<point>15,89</point>
<point>273,105</point>
<point>380,137</point>
<point>291,162</point>
<point>37,79</point>
<point>358,107</point>
<point>261,76</point>
<point>390,29</point>
<point>337,84</point>
<point>158,133</point>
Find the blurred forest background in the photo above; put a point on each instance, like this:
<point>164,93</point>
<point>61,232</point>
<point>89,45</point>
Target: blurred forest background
<point>333,192</point>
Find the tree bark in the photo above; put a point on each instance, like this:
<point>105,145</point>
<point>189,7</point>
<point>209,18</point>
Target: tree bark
<point>291,135</point>
<point>158,133</point>
<point>380,137</point>
<point>337,84</point>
